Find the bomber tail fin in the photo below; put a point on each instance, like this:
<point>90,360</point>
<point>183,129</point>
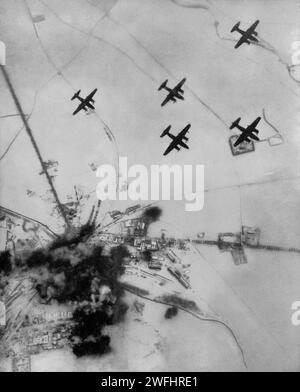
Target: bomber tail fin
<point>166,131</point>
<point>76,95</point>
<point>164,85</point>
<point>235,123</point>
<point>235,27</point>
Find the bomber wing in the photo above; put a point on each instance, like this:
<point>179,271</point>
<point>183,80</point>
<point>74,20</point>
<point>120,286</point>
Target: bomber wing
<point>172,146</point>
<point>80,107</point>
<point>243,40</point>
<point>169,97</point>
<point>178,88</point>
<point>91,95</point>
<point>251,29</point>
<point>253,126</point>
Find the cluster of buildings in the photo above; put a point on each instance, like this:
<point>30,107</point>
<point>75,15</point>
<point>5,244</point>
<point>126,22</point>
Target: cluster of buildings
<point>143,244</point>
<point>47,317</point>
<point>153,251</point>
<point>249,236</point>
<point>21,363</point>
<point>118,214</point>
<point>36,340</point>
<point>133,232</point>
<point>49,339</point>
<point>19,233</point>
<point>134,227</point>
<point>129,230</point>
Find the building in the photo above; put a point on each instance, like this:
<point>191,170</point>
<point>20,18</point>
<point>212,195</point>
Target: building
<point>172,256</point>
<point>243,148</point>
<point>119,240</point>
<point>229,241</point>
<point>150,244</point>
<point>21,363</point>
<point>55,337</point>
<point>137,242</point>
<point>132,209</point>
<point>239,256</point>
<point>175,272</point>
<point>115,214</point>
<point>19,232</point>
<point>155,265</point>
<point>38,340</point>
<point>251,235</point>
<point>134,228</point>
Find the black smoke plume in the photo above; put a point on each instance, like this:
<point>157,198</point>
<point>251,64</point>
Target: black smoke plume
<point>152,214</point>
<point>171,312</point>
<point>5,262</point>
<point>71,270</point>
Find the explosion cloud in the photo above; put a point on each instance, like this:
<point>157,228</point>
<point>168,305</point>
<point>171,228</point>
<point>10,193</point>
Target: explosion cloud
<point>171,312</point>
<point>72,271</point>
<point>152,214</point>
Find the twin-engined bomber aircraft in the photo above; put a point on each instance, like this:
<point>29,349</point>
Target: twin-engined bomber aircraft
<point>247,133</point>
<point>175,93</point>
<point>247,36</point>
<point>84,102</point>
<point>177,141</point>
